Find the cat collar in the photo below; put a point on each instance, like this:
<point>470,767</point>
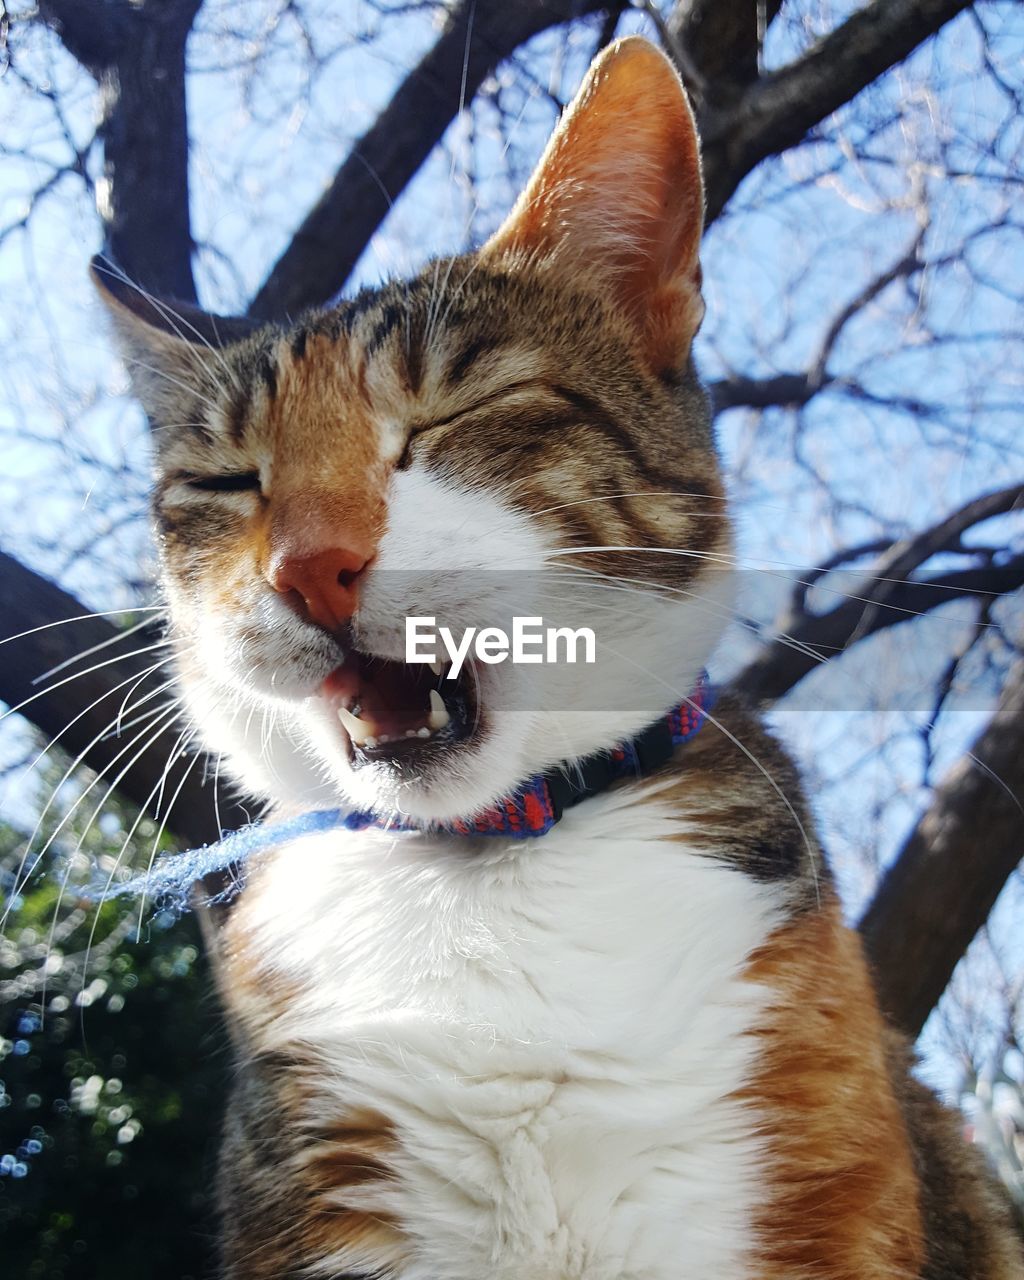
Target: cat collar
<point>529,812</point>
<point>534,808</point>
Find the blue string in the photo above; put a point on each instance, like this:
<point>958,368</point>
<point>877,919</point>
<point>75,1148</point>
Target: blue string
<point>169,882</point>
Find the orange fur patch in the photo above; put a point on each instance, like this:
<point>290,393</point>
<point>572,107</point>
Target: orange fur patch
<point>844,1194</point>
<point>329,481</point>
<point>617,198</point>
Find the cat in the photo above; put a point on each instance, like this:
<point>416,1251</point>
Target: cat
<point>640,1046</point>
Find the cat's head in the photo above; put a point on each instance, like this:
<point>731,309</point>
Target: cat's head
<point>516,429</point>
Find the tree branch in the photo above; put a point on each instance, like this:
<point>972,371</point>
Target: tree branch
<point>718,44</point>
<point>794,390</point>
<point>940,890</point>
<point>780,391</point>
<point>93,31</point>
<point>777,110</point>
<point>926,910</point>
<point>742,120</point>
<point>326,247</point>
<point>136,51</point>
<point>84,711</point>
<point>889,596</point>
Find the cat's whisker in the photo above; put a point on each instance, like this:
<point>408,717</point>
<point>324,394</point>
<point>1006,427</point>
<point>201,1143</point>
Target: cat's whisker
<point>61,890</point>
<point>442,293</point>
<point>636,493</point>
<point>179,750</point>
<point>168,764</point>
<point>457,293</point>
<point>647,592</point>
<point>702,605</point>
<point>130,835</point>
<point>83,617</point>
<point>218,820</point>
<point>128,725</point>
<point>253,708</point>
<point>814,583</point>
<point>164,662</point>
<point>991,773</point>
<point>163,710</point>
<point>268,727</point>
<point>432,303</point>
<point>78,675</point>
<point>55,790</point>
<point>794,644</point>
<point>96,648</point>
<point>688,553</point>
<point>766,773</point>
<point>190,389</point>
<point>475,676</point>
<point>112,728</point>
<point>136,677</point>
<point>721,609</point>
<point>24,876</point>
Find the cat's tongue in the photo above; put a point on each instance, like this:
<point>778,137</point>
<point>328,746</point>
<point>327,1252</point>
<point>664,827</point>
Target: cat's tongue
<point>380,702</point>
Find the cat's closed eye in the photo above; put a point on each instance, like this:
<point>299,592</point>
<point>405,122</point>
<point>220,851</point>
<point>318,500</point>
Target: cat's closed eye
<point>229,482</point>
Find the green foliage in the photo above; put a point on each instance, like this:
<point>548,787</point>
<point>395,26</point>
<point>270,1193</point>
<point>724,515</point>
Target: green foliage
<point>112,1066</point>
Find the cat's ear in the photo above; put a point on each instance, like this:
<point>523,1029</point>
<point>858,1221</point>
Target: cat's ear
<point>167,346</point>
<point>617,197</point>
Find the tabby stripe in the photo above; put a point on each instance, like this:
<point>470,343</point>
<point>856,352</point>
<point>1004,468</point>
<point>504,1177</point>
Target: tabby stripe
<point>237,415</point>
<point>595,415</point>
<point>417,428</point>
<point>267,368</point>
<point>468,356</point>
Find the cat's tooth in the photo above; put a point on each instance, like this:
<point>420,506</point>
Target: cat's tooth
<point>423,733</point>
<point>439,716</point>
<point>437,668</point>
<point>358,730</point>
<point>410,733</point>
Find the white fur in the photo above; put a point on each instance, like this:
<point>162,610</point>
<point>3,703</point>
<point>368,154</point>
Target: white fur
<point>465,556</point>
<point>556,1029</point>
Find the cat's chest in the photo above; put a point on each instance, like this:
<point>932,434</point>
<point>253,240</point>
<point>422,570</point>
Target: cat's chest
<point>553,1034</point>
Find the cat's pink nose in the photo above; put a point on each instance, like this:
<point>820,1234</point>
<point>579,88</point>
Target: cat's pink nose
<point>324,585</point>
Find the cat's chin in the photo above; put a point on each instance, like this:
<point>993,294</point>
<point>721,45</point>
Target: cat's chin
<point>452,770</point>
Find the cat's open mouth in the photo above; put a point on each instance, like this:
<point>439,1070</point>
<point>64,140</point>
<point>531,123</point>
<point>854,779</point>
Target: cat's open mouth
<point>400,711</point>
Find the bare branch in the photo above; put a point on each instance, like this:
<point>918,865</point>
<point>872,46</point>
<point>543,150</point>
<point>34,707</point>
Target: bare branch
<point>908,265</point>
<point>717,44</point>
<point>326,247</point>
<point>137,53</point>
<point>889,596</point>
<point>782,390</point>
<point>777,110</point>
<point>794,390</point>
<point>944,536</point>
<point>940,890</point>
